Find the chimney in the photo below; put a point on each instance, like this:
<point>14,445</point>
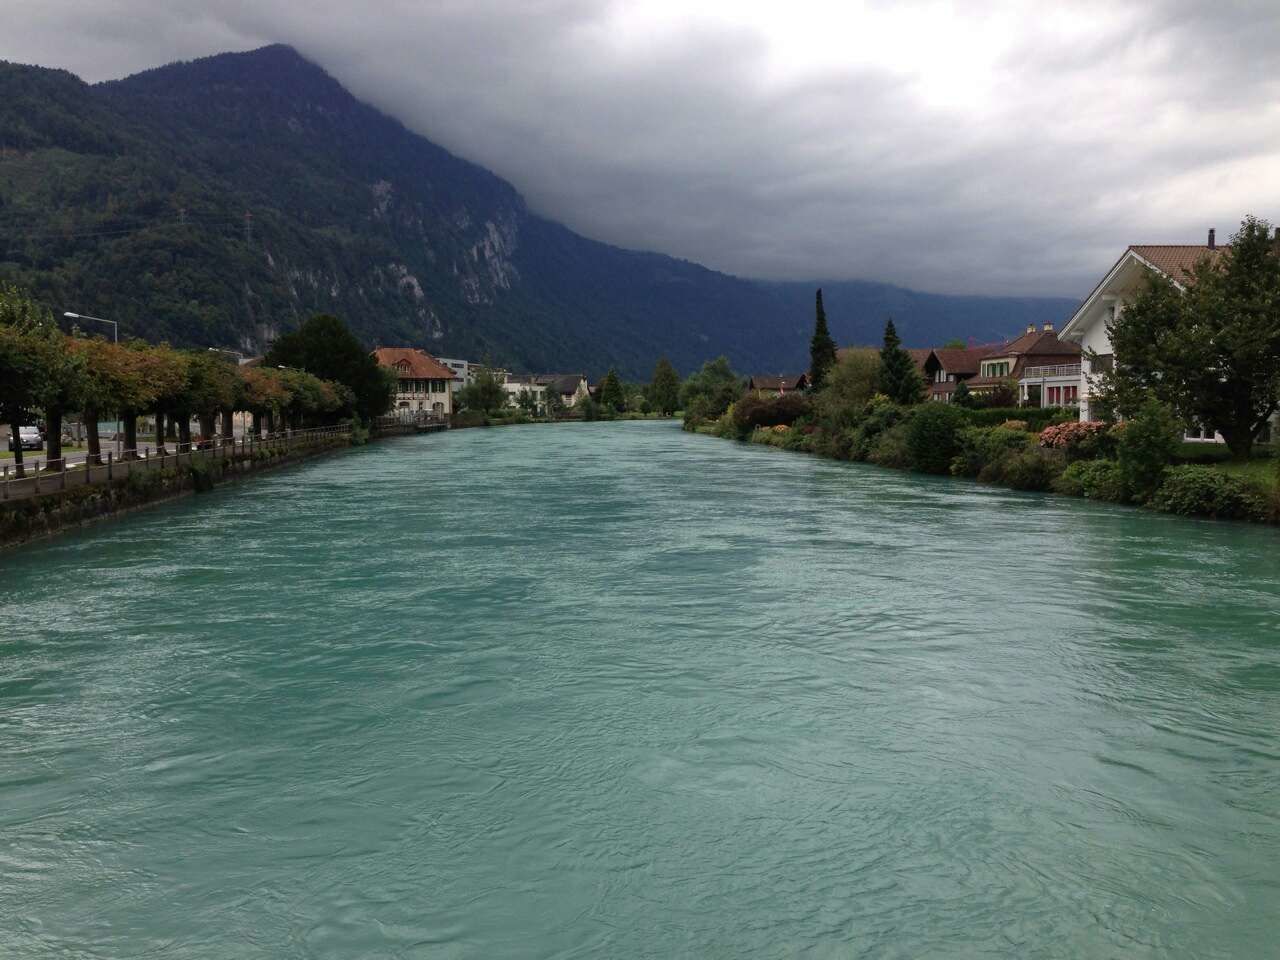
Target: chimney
<point>1031,328</point>
<point>1213,243</point>
<point>1048,328</point>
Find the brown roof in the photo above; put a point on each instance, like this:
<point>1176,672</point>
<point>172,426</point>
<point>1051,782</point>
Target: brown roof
<point>795,381</point>
<point>919,355</point>
<point>410,362</point>
<point>1037,343</point>
<point>964,360</point>
<point>1176,261</point>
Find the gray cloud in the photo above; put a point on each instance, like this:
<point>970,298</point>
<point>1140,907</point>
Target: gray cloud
<point>1014,149</point>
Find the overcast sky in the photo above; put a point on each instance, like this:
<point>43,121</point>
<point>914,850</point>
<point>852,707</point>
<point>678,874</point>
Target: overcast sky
<point>977,146</point>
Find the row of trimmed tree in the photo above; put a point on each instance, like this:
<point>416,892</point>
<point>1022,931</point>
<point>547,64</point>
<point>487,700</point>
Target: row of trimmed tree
<point>47,373</point>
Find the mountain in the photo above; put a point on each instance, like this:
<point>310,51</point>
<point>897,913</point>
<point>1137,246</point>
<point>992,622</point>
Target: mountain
<point>219,202</point>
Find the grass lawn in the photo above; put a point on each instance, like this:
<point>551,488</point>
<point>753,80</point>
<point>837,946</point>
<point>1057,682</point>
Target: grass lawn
<point>1264,473</point>
<point>29,455</point>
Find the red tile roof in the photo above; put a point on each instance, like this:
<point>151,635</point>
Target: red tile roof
<point>1176,261</point>
<point>412,363</point>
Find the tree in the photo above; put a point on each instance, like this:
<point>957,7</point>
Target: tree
<point>955,343</point>
<point>527,400</point>
<point>853,381</point>
<point>611,396</point>
<point>323,346</point>
<point>484,393</point>
<point>962,397</point>
<point>265,395</point>
<point>112,384</point>
<point>24,362</point>
<point>212,387</point>
<point>710,392</point>
<point>554,403</point>
<point>1210,349</point>
<point>664,389</point>
<point>822,349</point>
<point>900,381</point>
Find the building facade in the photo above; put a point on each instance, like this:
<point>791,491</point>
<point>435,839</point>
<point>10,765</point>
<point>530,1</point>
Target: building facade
<point>423,384</point>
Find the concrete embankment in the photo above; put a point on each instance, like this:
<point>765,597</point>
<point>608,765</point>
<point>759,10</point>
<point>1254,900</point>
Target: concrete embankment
<point>77,498</point>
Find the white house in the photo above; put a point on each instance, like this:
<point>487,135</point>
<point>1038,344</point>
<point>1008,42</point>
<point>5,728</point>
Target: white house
<point>464,371</point>
<point>1088,327</point>
<point>516,383</point>
<point>423,384</point>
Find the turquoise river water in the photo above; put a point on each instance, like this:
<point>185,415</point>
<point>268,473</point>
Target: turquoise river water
<point>613,690</point>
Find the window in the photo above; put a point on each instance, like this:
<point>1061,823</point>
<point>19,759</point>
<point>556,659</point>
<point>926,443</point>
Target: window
<point>1070,395</point>
<point>1055,396</point>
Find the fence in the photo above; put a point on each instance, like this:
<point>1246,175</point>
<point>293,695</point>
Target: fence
<point>58,475</point>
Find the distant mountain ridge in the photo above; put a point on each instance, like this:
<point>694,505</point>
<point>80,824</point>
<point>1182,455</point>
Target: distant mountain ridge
<point>128,199</point>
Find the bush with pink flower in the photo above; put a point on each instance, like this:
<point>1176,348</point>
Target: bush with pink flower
<point>1078,439</point>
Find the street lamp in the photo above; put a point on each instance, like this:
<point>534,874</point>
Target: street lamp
<point>115,327</point>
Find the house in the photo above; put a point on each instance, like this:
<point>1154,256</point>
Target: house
<point>777,386</point>
<point>946,367</point>
<point>423,383</point>
<point>1124,281</point>
<point>1033,352</point>
<point>517,383</point>
<point>464,371</point>
<point>571,387</point>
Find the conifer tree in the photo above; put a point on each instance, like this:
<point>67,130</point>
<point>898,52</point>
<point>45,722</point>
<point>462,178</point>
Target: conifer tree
<point>962,397</point>
<point>900,381</point>
<point>611,396</point>
<point>664,391</point>
<point>822,349</point>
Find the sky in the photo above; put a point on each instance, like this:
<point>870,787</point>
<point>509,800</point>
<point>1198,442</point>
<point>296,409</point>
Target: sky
<point>975,146</point>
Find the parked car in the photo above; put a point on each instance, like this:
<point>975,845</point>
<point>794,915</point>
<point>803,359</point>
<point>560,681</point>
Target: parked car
<point>30,439</point>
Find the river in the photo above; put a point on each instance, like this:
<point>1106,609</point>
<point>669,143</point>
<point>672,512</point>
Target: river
<point>613,690</point>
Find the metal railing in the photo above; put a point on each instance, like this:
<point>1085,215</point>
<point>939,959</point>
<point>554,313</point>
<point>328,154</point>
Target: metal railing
<point>57,474</point>
<point>1060,370</point>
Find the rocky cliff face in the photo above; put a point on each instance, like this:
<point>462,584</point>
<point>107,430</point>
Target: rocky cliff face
<point>221,201</point>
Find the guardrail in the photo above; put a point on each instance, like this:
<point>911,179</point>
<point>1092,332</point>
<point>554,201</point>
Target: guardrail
<point>58,475</point>
<point>1060,370</point>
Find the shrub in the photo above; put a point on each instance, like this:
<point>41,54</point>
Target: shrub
<point>1078,440</point>
<point>1036,418</point>
<point>1095,479</point>
<point>1204,491</point>
<point>932,435</point>
<point>467,418</point>
<point>1015,425</point>
<point>751,411</point>
<point>984,448</point>
<point>1032,469</point>
<point>880,415</point>
<point>890,448</point>
<point>1145,447</point>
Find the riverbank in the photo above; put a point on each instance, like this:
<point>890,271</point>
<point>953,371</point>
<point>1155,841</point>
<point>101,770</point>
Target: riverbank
<point>140,484</point>
<point>1137,463</point>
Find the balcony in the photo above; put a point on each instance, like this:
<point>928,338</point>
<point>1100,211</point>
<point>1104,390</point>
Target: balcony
<point>1044,373</point>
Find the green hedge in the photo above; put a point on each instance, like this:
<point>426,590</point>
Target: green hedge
<point>1037,418</point>
<point>1203,491</point>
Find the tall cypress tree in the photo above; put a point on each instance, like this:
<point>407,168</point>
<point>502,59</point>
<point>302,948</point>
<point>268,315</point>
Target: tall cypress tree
<point>664,391</point>
<point>611,395</point>
<point>900,381</point>
<point>822,349</point>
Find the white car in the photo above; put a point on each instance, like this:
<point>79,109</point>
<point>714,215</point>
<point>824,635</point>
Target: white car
<point>30,439</point>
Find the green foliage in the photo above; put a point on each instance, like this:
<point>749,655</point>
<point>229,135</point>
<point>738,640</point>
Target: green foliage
<point>1032,469</point>
<point>751,412</point>
<point>1146,445</point>
<point>1036,418</point>
<point>822,349</point>
<point>1204,491</point>
<point>961,396</point>
<point>891,448</point>
<point>933,436</point>
<point>1095,479</point>
<point>611,395</point>
<point>484,393</point>
<point>707,394</point>
<point>1210,350</point>
<point>467,418</point>
<point>900,381</point>
<point>1000,396</point>
<point>590,409</point>
<point>850,385</point>
<point>324,347</point>
<point>879,416</point>
<point>664,389</point>
<point>983,450</point>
